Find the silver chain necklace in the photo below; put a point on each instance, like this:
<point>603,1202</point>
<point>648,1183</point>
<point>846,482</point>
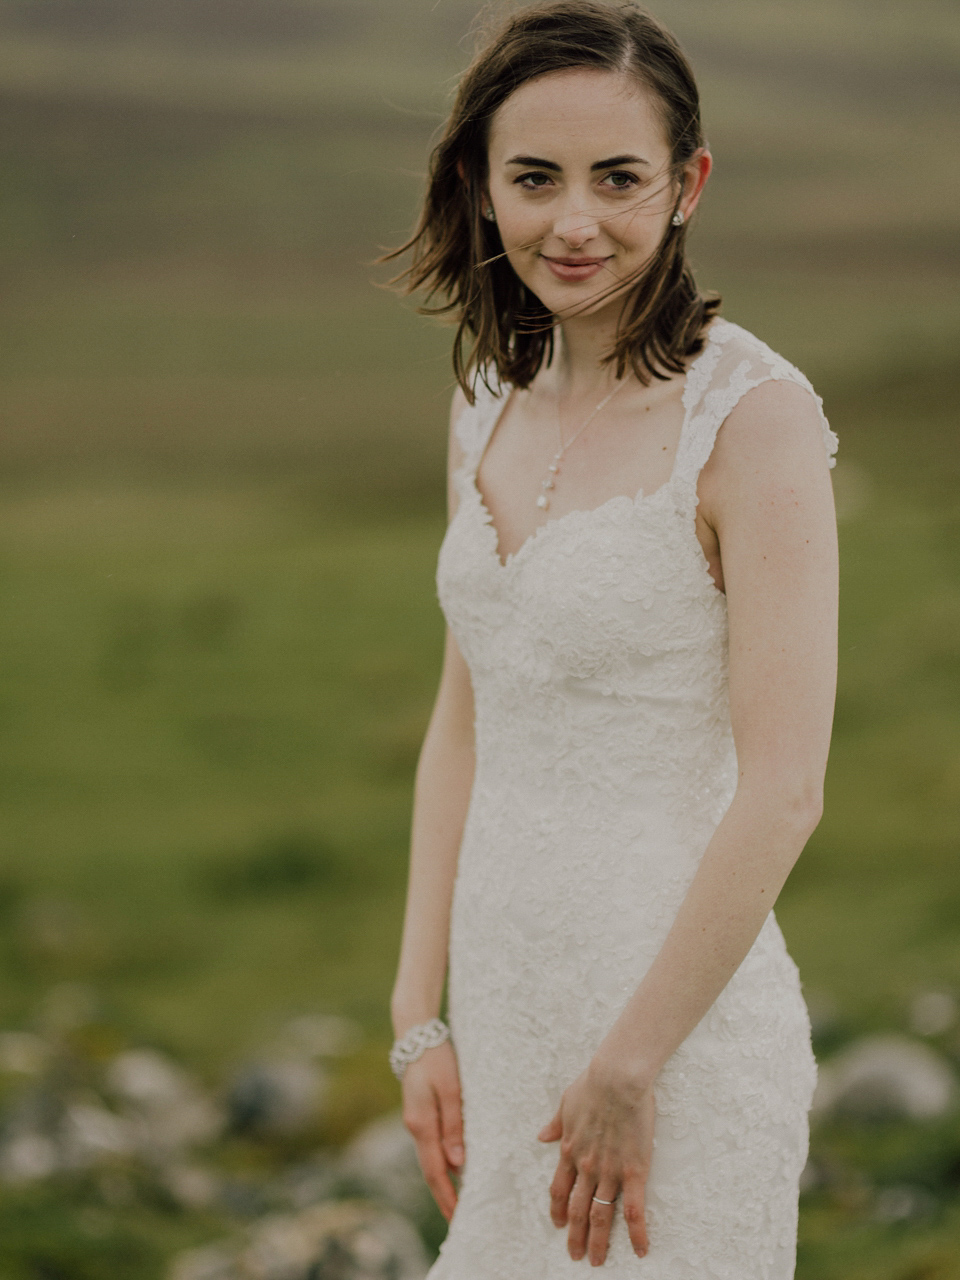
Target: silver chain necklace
<point>550,482</point>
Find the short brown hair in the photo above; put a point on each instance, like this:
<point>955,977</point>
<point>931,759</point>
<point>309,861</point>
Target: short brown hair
<point>457,254</point>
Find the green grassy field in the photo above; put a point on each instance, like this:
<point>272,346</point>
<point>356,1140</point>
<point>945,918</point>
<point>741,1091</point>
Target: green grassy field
<point>199,661</point>
<point>204,671</point>
<point>221,459</point>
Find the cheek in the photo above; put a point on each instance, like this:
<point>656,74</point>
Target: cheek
<point>636,225</point>
<point>520,228</point>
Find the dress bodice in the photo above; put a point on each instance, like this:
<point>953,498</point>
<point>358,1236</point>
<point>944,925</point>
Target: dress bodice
<point>598,650</point>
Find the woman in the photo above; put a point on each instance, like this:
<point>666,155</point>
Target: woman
<point>628,746</point>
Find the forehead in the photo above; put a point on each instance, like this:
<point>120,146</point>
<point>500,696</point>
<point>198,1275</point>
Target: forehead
<point>582,111</point>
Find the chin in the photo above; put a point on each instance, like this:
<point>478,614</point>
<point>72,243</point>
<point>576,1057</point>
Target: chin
<point>579,298</point>
<point>582,301</point>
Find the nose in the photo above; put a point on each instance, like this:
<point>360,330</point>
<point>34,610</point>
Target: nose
<point>576,227</point>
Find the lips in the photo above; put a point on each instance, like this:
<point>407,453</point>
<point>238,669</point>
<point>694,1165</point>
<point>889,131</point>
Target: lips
<point>574,269</point>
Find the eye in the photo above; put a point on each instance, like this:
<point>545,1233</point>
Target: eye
<point>532,181</point>
<point>620,180</point>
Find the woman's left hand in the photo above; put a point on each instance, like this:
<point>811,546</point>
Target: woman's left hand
<point>605,1129</point>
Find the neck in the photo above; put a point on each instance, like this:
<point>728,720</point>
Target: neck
<point>578,364</point>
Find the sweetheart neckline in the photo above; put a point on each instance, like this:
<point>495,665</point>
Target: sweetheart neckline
<point>690,384</point>
<point>513,556</point>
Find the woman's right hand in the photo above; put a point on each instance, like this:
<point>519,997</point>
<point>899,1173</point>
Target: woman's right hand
<point>432,1113</point>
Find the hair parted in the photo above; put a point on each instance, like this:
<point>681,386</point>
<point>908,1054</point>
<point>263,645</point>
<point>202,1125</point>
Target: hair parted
<point>457,253</point>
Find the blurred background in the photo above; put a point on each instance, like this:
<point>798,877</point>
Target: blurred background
<point>221,451</point>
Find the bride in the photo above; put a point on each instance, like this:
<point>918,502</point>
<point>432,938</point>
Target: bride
<point>627,750</point>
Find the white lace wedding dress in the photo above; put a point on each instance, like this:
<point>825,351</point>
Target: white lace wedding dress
<point>605,760</point>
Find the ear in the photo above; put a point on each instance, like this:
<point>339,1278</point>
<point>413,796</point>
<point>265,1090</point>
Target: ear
<point>695,175</point>
<point>484,192</point>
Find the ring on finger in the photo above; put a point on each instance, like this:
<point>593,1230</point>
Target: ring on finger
<point>597,1200</point>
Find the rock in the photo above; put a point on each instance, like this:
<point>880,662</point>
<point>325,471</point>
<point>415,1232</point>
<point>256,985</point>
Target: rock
<point>903,1203</point>
<point>381,1162</point>
<point>31,1138</point>
<point>166,1107</point>
<point>58,1126</point>
<point>338,1240</point>
<point>26,1157</point>
<point>213,1262</point>
<point>89,1132</point>
<point>886,1077</point>
<point>932,1013</point>
<point>23,1052</point>
<point>346,1240</point>
<point>275,1097</point>
<point>191,1186</point>
<point>307,1182</point>
<point>322,1035</point>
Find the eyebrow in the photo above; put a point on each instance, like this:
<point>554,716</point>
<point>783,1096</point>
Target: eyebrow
<point>612,163</point>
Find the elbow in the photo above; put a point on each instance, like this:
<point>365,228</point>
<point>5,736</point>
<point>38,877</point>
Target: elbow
<point>808,808</point>
<point>793,804</point>
<point>802,805</point>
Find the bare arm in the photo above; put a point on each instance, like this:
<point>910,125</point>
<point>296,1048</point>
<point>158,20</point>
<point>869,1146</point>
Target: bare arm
<point>772,510</point>
<point>441,794</point>
<point>766,493</point>
<point>431,1090</point>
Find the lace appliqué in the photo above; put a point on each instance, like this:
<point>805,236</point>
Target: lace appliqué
<point>605,760</point>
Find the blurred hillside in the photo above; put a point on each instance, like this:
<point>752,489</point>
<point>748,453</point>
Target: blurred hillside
<point>193,192</point>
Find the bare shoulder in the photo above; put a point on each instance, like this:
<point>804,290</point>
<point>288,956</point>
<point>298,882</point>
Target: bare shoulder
<point>455,451</point>
<point>458,405</point>
<point>772,440</point>
<point>776,418</point>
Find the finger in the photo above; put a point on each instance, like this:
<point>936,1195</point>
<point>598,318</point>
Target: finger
<point>424,1125</point>
<point>633,1194</point>
<point>451,1126</point>
<point>553,1131</point>
<point>601,1220</point>
<point>578,1216</point>
<point>433,1163</point>
<point>560,1188</point>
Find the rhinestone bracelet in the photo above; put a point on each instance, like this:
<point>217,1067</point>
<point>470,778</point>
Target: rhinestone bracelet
<point>424,1036</point>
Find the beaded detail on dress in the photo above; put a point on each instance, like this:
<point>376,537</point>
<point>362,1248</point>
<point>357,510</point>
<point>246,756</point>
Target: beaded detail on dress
<point>605,759</point>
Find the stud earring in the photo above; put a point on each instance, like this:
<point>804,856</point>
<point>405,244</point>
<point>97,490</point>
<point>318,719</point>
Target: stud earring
<point>489,214</point>
<point>677,218</point>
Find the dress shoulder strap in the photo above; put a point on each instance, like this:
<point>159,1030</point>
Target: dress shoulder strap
<point>732,363</point>
<point>476,422</point>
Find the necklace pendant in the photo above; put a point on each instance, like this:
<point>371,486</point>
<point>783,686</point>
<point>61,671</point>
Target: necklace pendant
<point>543,502</point>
